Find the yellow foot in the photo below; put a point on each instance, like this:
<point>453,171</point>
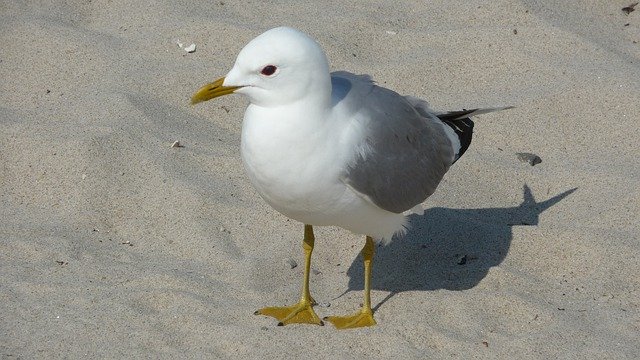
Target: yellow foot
<point>300,313</point>
<point>360,319</point>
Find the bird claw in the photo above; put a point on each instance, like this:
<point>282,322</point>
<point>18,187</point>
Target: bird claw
<point>362,318</point>
<point>300,313</point>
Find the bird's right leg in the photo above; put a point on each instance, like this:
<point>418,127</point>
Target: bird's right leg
<point>302,312</point>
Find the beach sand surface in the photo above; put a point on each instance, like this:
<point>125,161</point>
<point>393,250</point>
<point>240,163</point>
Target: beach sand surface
<point>113,244</point>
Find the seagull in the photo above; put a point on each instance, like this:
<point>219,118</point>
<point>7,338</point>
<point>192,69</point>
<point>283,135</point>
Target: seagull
<point>334,149</point>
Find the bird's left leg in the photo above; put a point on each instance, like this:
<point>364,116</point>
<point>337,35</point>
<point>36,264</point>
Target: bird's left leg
<point>364,317</point>
<point>302,312</point>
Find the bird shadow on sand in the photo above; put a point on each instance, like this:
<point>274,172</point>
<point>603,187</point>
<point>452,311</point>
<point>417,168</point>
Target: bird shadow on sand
<point>449,249</point>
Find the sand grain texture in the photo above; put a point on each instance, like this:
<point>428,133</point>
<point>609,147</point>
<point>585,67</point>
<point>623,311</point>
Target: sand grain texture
<point>113,244</point>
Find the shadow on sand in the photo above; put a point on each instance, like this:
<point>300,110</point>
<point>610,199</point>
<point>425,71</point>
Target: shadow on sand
<point>449,249</point>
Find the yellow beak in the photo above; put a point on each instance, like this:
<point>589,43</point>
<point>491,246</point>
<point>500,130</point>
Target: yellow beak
<point>212,90</point>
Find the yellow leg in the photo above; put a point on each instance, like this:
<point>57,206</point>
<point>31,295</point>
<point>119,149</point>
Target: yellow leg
<point>364,317</point>
<point>302,312</point>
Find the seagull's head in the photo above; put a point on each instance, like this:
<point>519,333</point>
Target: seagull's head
<point>279,67</point>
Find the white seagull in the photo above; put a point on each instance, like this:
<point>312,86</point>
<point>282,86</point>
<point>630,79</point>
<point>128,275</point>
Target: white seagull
<point>335,149</point>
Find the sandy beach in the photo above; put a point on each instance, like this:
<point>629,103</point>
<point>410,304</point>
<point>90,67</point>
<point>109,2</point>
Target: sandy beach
<point>114,244</point>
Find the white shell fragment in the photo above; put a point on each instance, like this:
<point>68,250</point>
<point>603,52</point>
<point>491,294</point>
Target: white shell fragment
<point>190,49</point>
<point>176,144</point>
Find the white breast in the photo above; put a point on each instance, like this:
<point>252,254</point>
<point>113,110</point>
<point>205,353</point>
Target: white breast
<point>296,166</point>
<point>286,161</point>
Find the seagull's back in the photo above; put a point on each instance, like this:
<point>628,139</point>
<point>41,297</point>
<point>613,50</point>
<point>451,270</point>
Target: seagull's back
<point>403,153</point>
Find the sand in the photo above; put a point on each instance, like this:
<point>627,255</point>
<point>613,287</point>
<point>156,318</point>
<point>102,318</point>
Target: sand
<point>113,244</point>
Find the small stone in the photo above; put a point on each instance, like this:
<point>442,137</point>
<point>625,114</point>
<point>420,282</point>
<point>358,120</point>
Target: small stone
<point>176,144</point>
<point>530,158</point>
<point>292,263</point>
<point>191,48</point>
<point>316,272</point>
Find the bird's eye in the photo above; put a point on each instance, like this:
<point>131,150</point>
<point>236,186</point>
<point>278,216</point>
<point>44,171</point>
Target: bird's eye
<point>268,70</point>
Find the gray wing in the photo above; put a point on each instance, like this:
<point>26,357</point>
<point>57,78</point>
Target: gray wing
<point>406,151</point>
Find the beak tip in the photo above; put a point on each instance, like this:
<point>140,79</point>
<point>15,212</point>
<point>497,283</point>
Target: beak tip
<point>211,91</point>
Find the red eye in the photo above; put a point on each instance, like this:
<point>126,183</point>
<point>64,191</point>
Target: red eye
<point>268,70</point>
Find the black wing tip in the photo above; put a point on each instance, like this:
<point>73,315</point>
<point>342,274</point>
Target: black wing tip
<point>464,130</point>
<point>462,125</point>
